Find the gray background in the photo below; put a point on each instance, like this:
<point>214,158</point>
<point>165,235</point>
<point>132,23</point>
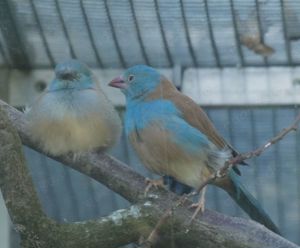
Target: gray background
<point>180,34</point>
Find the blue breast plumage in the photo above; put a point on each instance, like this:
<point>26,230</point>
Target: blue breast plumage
<point>167,144</point>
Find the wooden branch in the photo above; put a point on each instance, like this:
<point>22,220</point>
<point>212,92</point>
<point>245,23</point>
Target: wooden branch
<point>36,230</point>
<point>241,157</point>
<point>153,238</point>
<point>211,230</point>
<point>99,166</point>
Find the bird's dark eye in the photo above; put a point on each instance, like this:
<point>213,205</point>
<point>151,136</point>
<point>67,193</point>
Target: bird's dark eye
<point>130,78</point>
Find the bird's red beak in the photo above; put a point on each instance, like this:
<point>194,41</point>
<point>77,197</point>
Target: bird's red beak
<point>118,82</point>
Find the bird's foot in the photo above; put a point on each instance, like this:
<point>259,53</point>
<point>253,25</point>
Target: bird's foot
<point>200,206</point>
<point>156,183</point>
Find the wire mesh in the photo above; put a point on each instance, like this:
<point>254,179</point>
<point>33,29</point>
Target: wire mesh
<point>160,33</point>
<point>188,33</point>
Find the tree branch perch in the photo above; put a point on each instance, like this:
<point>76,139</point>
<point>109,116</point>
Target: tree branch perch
<point>210,230</point>
<point>35,228</point>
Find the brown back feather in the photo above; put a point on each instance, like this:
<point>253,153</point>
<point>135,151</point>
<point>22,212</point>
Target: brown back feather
<point>197,118</point>
<point>192,113</point>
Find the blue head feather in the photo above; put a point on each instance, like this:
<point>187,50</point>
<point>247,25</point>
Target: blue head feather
<point>71,74</point>
<point>140,80</point>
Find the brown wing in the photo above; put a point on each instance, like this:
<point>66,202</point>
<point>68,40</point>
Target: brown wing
<point>197,118</point>
<point>192,113</point>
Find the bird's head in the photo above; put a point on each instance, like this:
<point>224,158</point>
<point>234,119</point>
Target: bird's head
<point>71,74</point>
<point>137,81</point>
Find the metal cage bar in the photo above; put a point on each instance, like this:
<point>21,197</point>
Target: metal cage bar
<point>48,176</point>
<point>138,32</point>
<point>6,61</point>
<point>236,34</point>
<point>114,35</point>
<point>12,36</point>
<point>229,112</point>
<point>42,34</point>
<point>277,172</point>
<point>72,195</point>
<point>20,52</point>
<point>254,145</point>
<point>162,32</point>
<point>187,34</point>
<point>215,192</point>
<point>90,34</point>
<point>261,35</point>
<point>65,30</point>
<point>286,39</point>
<point>297,137</point>
<point>211,35</point>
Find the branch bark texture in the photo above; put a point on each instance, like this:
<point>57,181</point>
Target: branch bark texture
<point>210,230</point>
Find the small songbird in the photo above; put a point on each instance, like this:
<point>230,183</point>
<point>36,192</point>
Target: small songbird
<point>173,136</point>
<point>73,114</point>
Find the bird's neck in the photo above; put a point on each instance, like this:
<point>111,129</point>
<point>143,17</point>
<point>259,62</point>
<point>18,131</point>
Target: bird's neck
<point>162,91</point>
<point>142,113</point>
<point>69,86</point>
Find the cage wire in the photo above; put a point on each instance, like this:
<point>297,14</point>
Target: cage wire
<point>106,34</point>
<point>190,33</point>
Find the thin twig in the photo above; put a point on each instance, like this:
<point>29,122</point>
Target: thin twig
<point>241,157</point>
<point>153,238</point>
<point>154,235</point>
<point>123,180</point>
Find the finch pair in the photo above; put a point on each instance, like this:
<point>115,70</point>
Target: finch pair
<point>170,133</point>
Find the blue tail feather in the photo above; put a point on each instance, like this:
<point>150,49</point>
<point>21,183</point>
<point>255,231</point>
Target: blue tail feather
<point>249,204</point>
<point>238,192</point>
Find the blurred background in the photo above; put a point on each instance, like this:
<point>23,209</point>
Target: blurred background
<point>239,59</point>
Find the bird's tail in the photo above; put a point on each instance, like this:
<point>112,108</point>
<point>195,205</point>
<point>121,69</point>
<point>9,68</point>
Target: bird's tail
<point>248,203</point>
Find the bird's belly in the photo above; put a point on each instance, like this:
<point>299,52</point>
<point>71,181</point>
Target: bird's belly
<point>82,123</point>
<point>71,134</point>
<point>192,174</point>
<point>162,156</point>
